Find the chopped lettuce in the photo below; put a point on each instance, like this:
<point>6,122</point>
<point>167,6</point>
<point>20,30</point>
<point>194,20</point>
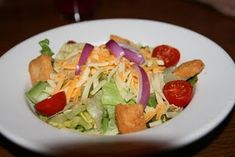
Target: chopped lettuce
<point>77,122</point>
<point>93,117</point>
<point>111,95</point>
<point>74,111</point>
<point>57,120</point>
<point>193,80</point>
<point>88,120</point>
<point>110,110</point>
<point>95,108</point>
<point>105,124</point>
<point>45,47</point>
<point>109,126</point>
<point>112,128</point>
<point>75,117</point>
<point>68,50</point>
<point>152,102</point>
<point>123,89</point>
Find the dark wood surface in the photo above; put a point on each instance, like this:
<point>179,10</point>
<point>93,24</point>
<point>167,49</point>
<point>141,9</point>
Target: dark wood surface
<point>22,19</point>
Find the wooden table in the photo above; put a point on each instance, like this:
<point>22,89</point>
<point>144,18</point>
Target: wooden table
<point>25,18</point>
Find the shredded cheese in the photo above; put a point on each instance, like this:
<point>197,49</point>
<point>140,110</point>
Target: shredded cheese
<point>160,110</point>
<point>103,61</point>
<point>60,81</point>
<point>70,90</point>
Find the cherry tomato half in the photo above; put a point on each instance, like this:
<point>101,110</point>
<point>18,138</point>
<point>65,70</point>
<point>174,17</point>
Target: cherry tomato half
<point>52,105</point>
<point>178,92</point>
<point>168,54</point>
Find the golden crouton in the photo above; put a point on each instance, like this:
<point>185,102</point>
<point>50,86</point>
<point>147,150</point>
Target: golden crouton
<point>40,68</point>
<point>189,69</point>
<point>130,118</point>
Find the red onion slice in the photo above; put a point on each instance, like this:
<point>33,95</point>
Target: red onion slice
<point>133,56</point>
<point>118,51</point>
<point>84,56</point>
<point>144,86</point>
<point>114,48</point>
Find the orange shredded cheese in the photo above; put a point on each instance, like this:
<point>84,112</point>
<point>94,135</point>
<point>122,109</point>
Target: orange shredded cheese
<point>149,115</point>
<point>76,94</point>
<point>70,90</point>
<point>160,110</point>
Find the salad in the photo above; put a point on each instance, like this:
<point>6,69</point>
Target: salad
<point>114,88</point>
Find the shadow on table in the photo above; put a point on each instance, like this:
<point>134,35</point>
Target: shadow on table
<point>140,149</point>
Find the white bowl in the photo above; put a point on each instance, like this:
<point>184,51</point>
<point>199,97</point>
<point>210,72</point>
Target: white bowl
<point>214,96</point>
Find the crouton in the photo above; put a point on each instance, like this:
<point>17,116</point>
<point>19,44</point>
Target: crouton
<point>189,69</point>
<point>130,118</point>
<point>40,68</point>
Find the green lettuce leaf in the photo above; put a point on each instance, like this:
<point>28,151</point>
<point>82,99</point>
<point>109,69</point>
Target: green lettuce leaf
<point>95,108</point>
<point>45,47</point>
<point>109,126</point>
<point>111,95</point>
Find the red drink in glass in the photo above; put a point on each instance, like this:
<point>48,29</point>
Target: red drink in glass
<point>70,8</point>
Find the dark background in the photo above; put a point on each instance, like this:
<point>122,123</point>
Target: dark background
<point>22,19</point>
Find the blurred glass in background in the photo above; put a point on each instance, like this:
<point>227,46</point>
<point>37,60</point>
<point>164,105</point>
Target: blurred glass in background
<point>76,9</point>
<point>226,7</point>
